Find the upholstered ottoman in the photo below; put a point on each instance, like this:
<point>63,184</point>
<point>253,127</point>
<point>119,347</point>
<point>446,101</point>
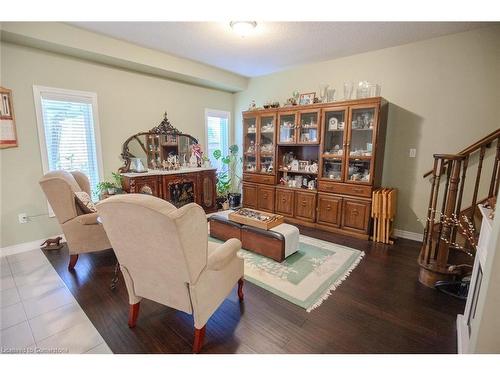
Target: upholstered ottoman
<point>277,243</point>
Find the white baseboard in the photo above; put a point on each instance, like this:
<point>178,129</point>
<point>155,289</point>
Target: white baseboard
<point>25,246</point>
<point>408,235</point>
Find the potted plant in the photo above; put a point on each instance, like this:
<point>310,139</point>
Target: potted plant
<point>118,181</point>
<point>106,187</point>
<point>111,187</point>
<point>228,180</point>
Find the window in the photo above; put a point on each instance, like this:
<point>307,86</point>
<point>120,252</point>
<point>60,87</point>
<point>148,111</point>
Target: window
<point>217,134</point>
<point>68,130</point>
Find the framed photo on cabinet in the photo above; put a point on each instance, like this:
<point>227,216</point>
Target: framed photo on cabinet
<point>8,135</point>
<point>307,98</point>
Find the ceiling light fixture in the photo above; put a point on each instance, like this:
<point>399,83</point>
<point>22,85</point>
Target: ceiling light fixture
<point>243,28</point>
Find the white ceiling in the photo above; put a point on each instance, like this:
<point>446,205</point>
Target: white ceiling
<point>274,46</point>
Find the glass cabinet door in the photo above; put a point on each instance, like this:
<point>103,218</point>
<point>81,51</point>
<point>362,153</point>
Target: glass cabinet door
<point>308,128</point>
<point>362,129</point>
<point>250,144</point>
<point>287,128</point>
<point>334,142</point>
<point>267,138</point>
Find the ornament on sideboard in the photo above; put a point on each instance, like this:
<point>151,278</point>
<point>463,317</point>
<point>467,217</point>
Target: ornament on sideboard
<point>137,166</point>
<point>252,106</point>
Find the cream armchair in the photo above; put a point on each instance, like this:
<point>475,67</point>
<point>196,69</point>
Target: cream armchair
<point>165,256</point>
<point>82,231</point>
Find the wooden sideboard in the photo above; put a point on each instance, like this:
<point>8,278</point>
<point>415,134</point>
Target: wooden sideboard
<point>178,187</point>
<point>346,140</point>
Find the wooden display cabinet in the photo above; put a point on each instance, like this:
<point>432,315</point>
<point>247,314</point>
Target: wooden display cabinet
<point>305,205</point>
<point>329,209</point>
<point>249,195</point>
<point>355,214</point>
<point>265,198</point>
<point>259,146</point>
<point>300,127</point>
<point>349,147</point>
<point>284,202</point>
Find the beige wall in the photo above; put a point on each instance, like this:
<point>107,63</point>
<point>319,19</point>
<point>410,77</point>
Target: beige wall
<point>444,94</point>
<point>128,103</point>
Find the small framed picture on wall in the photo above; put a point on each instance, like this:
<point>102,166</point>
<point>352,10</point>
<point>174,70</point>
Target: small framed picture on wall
<point>307,98</point>
<point>8,135</point>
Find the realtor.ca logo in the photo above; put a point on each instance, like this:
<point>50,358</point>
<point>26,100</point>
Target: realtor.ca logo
<point>34,350</point>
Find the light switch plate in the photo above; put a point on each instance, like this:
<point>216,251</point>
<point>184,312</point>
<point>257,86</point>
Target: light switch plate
<point>413,152</point>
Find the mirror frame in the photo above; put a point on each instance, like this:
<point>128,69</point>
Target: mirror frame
<point>163,128</point>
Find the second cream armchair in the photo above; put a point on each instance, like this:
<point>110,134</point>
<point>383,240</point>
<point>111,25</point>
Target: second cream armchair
<point>165,256</point>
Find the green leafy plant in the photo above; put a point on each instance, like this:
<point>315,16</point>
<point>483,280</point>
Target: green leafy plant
<point>118,180</point>
<point>228,179</point>
<point>104,186</point>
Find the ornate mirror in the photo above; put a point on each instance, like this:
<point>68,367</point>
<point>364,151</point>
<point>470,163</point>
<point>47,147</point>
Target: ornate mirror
<point>148,149</point>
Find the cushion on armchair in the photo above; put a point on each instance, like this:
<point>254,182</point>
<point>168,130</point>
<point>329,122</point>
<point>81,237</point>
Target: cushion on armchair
<point>85,203</point>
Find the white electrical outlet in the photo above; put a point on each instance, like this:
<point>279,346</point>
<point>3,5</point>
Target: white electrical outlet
<point>23,218</point>
<point>413,152</point>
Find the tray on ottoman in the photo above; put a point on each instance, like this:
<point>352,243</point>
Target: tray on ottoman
<point>255,218</point>
<point>276,243</point>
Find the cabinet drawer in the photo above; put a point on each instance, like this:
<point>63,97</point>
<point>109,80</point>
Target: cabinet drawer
<point>305,206</point>
<point>259,178</point>
<point>284,202</point>
<point>348,189</point>
<point>249,195</point>
<point>329,208</point>
<point>356,215</point>
<point>265,198</point>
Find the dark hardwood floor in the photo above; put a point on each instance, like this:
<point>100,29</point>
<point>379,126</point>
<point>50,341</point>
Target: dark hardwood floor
<point>380,308</point>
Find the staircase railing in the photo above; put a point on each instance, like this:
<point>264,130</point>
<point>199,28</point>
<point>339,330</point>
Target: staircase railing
<point>446,207</point>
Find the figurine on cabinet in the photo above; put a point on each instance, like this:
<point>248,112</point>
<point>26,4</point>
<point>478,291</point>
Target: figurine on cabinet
<point>251,147</point>
<point>252,129</point>
<point>267,128</point>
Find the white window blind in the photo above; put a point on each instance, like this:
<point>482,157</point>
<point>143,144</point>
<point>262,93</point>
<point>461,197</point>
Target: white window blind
<point>217,134</point>
<point>69,130</point>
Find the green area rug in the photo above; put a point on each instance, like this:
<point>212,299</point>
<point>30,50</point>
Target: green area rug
<point>307,277</point>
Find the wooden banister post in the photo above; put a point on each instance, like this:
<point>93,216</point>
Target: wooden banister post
<point>496,174</point>
<point>444,247</point>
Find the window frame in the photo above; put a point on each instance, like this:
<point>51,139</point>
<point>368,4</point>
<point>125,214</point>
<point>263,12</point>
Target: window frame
<point>38,91</point>
<point>217,113</point>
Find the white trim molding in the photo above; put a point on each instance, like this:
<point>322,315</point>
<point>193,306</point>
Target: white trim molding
<point>25,246</point>
<point>408,235</point>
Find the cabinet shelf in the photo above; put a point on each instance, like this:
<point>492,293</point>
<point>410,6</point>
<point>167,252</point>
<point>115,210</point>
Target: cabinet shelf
<point>332,156</point>
<point>360,157</point>
<point>296,188</point>
<point>299,172</point>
